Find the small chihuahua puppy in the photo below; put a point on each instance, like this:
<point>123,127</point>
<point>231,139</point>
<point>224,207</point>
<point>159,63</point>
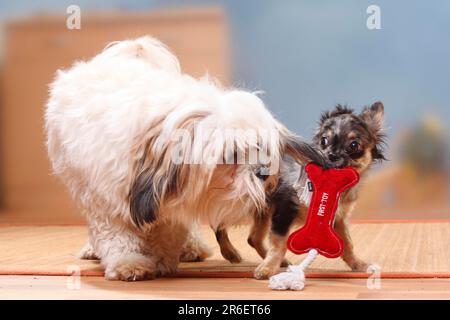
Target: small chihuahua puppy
<point>347,139</point>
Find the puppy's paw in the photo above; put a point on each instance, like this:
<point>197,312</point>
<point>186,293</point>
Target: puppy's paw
<point>264,272</point>
<point>131,267</point>
<point>358,265</point>
<point>285,263</point>
<point>231,254</point>
<point>87,253</point>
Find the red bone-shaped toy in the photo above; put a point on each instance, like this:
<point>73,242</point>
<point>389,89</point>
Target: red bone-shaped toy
<point>318,232</point>
<point>317,235</point>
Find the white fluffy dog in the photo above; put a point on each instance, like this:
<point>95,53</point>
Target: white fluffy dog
<point>114,125</point>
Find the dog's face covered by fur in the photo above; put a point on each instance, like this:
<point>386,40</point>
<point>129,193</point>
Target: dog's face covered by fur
<point>350,139</point>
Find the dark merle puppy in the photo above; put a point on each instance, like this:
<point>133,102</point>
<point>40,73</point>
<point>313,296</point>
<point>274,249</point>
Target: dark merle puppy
<point>347,139</point>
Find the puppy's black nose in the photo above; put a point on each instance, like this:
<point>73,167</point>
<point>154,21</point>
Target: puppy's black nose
<point>333,158</point>
<point>262,173</point>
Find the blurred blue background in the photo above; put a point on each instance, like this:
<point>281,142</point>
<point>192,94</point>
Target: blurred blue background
<point>309,55</point>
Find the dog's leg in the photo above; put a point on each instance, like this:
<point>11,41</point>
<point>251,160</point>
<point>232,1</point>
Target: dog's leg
<point>131,254</point>
<point>195,249</point>
<point>87,252</point>
<point>258,232</point>
<point>120,250</point>
<point>125,262</point>
<point>284,215</point>
<point>164,242</point>
<point>355,263</point>
<point>274,257</point>
<point>227,249</point>
<point>346,206</point>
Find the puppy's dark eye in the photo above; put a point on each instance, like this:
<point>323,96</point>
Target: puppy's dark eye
<point>324,141</point>
<point>353,147</point>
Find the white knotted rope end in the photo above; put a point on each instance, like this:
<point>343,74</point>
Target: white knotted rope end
<point>294,278</point>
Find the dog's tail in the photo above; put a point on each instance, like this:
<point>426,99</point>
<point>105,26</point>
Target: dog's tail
<point>147,48</point>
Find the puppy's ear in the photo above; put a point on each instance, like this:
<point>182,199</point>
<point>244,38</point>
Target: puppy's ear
<point>302,151</point>
<point>377,154</point>
<point>374,116</point>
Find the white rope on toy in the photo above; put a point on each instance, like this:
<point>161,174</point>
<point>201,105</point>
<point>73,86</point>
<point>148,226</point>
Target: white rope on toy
<point>294,278</point>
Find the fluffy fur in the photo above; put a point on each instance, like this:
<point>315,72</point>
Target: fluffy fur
<point>347,139</point>
<point>111,124</point>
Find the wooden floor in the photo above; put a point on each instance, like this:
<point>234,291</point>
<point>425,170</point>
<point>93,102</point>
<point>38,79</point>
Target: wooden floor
<point>58,287</point>
<point>35,263</point>
<point>400,249</point>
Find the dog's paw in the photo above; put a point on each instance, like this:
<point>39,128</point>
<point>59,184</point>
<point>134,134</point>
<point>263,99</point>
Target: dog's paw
<point>285,263</point>
<point>87,253</point>
<point>264,272</point>
<point>131,267</point>
<point>195,251</point>
<point>232,255</point>
<point>359,265</point>
<point>194,255</point>
<point>187,256</point>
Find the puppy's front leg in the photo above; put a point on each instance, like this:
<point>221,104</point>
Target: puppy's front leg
<point>284,215</point>
<point>274,257</point>
<point>355,263</point>
<point>227,249</point>
<point>258,233</point>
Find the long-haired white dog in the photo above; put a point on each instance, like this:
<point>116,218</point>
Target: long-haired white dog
<point>117,127</point>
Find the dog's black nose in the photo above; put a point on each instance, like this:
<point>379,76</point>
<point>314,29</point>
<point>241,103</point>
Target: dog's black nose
<point>333,157</point>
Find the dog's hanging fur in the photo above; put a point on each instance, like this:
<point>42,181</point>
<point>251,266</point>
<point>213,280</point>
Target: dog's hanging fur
<point>140,146</point>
